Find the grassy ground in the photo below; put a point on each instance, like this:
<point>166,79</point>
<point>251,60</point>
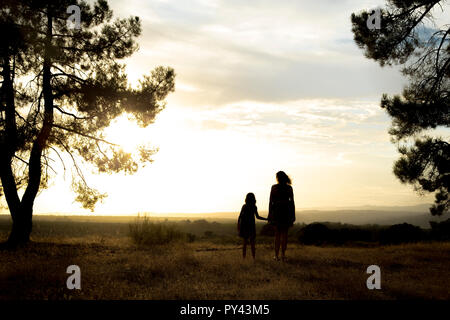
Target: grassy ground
<point>112,267</point>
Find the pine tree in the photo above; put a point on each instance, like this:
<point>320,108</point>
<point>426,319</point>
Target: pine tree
<point>412,37</point>
<point>61,86</point>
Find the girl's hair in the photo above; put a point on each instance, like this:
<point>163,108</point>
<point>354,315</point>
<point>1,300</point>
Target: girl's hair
<point>250,199</point>
<point>283,178</point>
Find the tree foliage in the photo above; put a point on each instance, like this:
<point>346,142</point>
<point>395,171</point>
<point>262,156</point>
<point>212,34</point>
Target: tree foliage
<point>60,89</point>
<point>412,36</point>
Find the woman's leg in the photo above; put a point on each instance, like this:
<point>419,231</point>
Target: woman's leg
<point>277,242</point>
<point>284,237</point>
<point>244,249</point>
<point>252,244</point>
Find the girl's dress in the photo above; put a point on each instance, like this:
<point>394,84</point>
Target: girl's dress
<point>247,221</point>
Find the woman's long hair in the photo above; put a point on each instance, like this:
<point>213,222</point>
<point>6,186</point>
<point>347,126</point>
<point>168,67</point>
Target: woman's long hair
<point>283,178</point>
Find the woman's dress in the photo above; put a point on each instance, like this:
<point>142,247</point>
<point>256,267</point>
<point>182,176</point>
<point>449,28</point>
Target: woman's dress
<point>281,206</point>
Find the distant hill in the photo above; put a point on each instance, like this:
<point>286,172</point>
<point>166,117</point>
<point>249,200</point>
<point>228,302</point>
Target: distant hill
<point>360,217</point>
<point>418,215</point>
<point>383,215</point>
<point>420,208</point>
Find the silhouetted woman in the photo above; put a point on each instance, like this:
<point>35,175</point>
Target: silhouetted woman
<point>246,223</point>
<point>281,211</point>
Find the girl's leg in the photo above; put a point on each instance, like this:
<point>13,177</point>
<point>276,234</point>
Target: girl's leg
<point>244,249</point>
<point>284,237</point>
<point>277,242</point>
<point>252,244</point>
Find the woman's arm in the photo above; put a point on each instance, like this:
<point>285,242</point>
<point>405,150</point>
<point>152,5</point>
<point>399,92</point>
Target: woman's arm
<point>270,214</point>
<point>292,204</point>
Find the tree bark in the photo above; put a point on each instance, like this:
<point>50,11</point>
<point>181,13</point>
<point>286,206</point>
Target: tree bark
<point>21,227</point>
<point>22,212</point>
<point>8,147</point>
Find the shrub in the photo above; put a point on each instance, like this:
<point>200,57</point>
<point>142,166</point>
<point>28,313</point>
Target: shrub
<point>145,232</point>
<point>208,234</point>
<point>315,233</point>
<point>191,237</point>
<point>399,233</point>
<point>344,235</point>
<point>335,234</point>
<point>440,230</point>
<point>267,230</point>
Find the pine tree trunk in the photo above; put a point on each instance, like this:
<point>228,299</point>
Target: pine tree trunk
<point>22,216</point>
<point>22,210</point>
<point>21,228</point>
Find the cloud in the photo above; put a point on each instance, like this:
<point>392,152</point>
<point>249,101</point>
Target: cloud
<point>263,86</point>
<point>260,51</point>
<point>317,126</point>
<point>213,125</point>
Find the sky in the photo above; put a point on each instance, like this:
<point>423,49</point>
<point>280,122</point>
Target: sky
<point>261,86</point>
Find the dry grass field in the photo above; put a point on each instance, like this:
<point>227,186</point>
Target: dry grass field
<point>113,267</point>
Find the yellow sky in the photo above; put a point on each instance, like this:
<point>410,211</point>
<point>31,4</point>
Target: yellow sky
<point>208,169</point>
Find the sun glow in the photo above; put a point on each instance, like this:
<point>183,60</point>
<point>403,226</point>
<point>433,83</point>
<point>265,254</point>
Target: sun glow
<point>195,170</point>
<point>209,159</point>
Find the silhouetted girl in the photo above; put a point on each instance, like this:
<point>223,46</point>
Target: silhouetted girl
<point>281,211</point>
<point>246,223</point>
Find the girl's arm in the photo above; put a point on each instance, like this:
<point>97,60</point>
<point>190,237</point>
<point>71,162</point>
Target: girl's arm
<point>239,220</point>
<point>258,216</point>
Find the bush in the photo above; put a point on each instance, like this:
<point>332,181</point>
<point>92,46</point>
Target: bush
<point>267,230</point>
<point>315,233</point>
<point>191,237</point>
<point>440,230</point>
<point>145,232</point>
<point>344,235</point>
<point>208,234</point>
<point>336,233</point>
<point>399,233</point>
